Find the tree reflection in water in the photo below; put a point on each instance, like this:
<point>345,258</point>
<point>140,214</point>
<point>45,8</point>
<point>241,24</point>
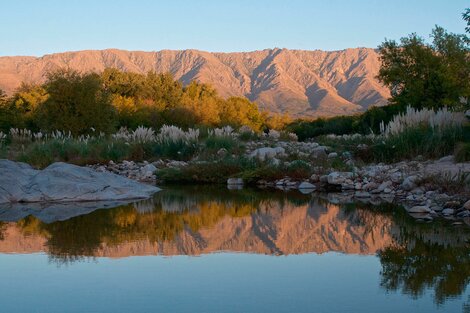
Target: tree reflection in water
<point>414,257</point>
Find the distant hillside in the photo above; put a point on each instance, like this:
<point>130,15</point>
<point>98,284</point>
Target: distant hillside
<point>300,83</point>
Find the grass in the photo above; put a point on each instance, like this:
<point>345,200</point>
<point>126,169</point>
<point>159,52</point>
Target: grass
<point>424,141</point>
<point>462,152</point>
<point>207,172</point>
<point>421,140</point>
<point>249,169</point>
<point>221,142</point>
<point>41,154</point>
<point>97,150</point>
<point>449,183</point>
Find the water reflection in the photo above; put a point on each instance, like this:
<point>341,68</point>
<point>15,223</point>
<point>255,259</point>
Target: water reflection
<point>195,221</point>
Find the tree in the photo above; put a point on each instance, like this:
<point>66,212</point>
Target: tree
<point>238,111</point>
<point>466,18</point>
<point>202,102</point>
<point>26,100</point>
<point>76,103</point>
<point>3,97</point>
<point>10,116</point>
<point>424,74</point>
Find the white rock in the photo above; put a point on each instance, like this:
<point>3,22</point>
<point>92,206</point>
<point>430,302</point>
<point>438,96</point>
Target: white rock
<point>61,182</point>
<point>266,153</point>
<point>419,209</point>
<point>384,185</point>
<point>306,185</point>
<point>409,183</point>
<point>148,168</point>
<point>319,152</point>
<point>235,181</point>
<point>332,155</point>
<point>338,178</point>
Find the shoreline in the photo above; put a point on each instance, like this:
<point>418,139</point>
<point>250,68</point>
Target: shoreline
<point>426,189</point>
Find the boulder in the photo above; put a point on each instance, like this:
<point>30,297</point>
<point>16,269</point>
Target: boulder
<point>306,185</point>
<point>234,181</point>
<point>319,152</point>
<point>315,178</point>
<point>267,153</point>
<point>409,183</point>
<point>419,209</point>
<point>384,185</point>
<point>362,194</point>
<point>339,178</point>
<point>448,212</point>
<point>148,170</point>
<point>467,205</point>
<point>62,182</point>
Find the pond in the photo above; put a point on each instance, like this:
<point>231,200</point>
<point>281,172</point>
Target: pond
<point>207,249</point>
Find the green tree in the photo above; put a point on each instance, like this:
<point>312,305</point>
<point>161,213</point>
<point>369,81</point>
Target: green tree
<point>76,103</point>
<point>202,101</point>
<point>466,18</point>
<point>10,116</point>
<point>26,99</point>
<point>424,74</point>
<point>238,111</point>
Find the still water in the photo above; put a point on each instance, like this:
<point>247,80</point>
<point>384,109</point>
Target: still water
<point>212,250</point>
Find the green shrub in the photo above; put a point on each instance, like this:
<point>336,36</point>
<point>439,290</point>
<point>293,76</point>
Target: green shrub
<point>174,150</point>
<point>416,141</point>
<point>219,142</point>
<point>298,169</point>
<point>41,154</point>
<point>364,123</point>
<point>462,152</point>
<point>207,172</point>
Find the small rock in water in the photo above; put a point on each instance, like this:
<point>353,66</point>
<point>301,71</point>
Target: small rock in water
<point>306,185</point>
<point>234,181</point>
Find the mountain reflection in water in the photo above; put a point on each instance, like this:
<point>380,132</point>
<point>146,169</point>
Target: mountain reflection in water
<point>199,220</point>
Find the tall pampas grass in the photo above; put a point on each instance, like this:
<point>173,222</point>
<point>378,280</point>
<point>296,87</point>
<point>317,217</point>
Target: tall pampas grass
<point>173,134</point>
<point>412,118</point>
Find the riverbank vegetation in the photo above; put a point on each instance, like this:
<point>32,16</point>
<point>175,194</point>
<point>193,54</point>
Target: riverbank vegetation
<point>87,118</point>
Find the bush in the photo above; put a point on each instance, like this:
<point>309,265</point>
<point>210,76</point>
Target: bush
<point>216,143</point>
<point>41,154</point>
<point>76,103</point>
<point>299,169</point>
<point>366,123</point>
<point>207,172</point>
<point>462,152</point>
<point>424,141</point>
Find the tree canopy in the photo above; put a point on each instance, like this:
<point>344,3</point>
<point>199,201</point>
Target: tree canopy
<point>430,75</point>
<point>82,103</point>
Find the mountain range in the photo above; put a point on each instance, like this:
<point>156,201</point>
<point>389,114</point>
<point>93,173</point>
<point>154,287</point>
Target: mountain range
<point>297,82</point>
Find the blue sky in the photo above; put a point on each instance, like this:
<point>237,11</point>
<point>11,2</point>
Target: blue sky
<point>40,27</point>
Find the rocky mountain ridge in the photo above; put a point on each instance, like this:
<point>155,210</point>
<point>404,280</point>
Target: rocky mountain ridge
<point>298,82</point>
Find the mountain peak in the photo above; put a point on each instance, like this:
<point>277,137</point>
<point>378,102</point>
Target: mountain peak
<point>298,82</point>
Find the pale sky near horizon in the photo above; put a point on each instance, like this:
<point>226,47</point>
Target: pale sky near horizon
<point>49,26</point>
